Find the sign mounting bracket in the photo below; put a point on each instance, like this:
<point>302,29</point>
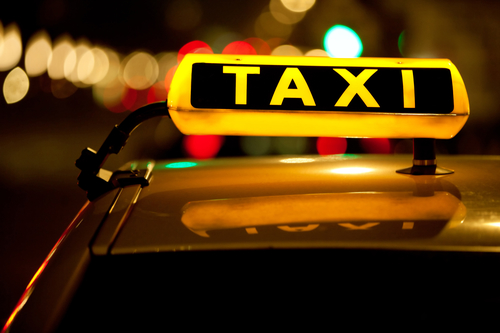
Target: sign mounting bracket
<point>424,159</point>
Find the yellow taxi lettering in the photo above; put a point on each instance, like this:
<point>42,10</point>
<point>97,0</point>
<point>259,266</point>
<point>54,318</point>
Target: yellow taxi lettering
<point>283,89</point>
<point>356,86</point>
<point>241,80</point>
<point>408,88</point>
<point>308,227</point>
<point>365,226</point>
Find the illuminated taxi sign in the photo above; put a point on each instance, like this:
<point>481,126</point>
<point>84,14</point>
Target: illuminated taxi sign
<point>322,88</point>
<point>318,96</point>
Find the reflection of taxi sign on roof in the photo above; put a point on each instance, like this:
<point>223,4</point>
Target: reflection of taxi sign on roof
<point>315,96</point>
<point>305,212</point>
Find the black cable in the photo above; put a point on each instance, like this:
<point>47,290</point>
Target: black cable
<point>90,161</point>
<point>142,114</point>
<point>118,137</point>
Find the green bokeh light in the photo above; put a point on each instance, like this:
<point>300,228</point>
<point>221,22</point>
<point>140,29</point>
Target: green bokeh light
<point>256,145</point>
<point>401,42</point>
<point>342,42</point>
<point>290,145</point>
<point>181,165</point>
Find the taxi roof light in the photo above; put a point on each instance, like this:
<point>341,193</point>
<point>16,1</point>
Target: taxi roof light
<point>318,96</point>
<point>422,99</point>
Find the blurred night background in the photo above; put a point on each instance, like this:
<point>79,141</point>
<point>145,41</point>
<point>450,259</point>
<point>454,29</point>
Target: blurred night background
<point>71,70</point>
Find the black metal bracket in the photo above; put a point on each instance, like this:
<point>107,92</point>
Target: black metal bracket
<point>424,159</point>
<point>91,161</point>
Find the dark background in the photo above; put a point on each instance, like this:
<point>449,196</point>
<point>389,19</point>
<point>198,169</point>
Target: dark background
<point>41,136</point>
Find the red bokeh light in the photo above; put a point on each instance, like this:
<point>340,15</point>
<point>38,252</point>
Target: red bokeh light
<point>202,146</point>
<point>195,46</point>
<point>260,46</point>
<point>113,98</point>
<point>157,93</point>
<point>140,100</point>
<point>129,98</point>
<point>239,47</point>
<point>330,146</point>
<point>376,146</point>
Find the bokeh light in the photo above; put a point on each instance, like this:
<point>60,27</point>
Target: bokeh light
<point>15,86</point>
<point>196,46</point>
<point>93,66</point>
<point>376,146</point>
<point>298,5</point>
<point>260,46</point>
<point>256,145</point>
<point>129,98</point>
<point>267,27</point>
<point>112,96</point>
<point>316,53</point>
<point>274,42</point>
<point>71,63</point>
<point>169,77</point>
<point>330,146</point>
<point>157,93</point>
<point>63,46</point>
<point>223,40</point>
<point>218,36</point>
<point>181,165</point>
<point>290,145</point>
<point>38,50</point>
<point>202,146</point>
<point>166,60</point>
<point>239,47</point>
<point>401,42</point>
<point>11,47</point>
<point>287,50</point>
<point>140,70</point>
<point>342,42</point>
<point>112,71</point>
<point>283,14</point>
<point>141,99</point>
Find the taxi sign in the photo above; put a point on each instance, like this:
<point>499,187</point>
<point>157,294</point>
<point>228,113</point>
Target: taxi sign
<point>318,96</point>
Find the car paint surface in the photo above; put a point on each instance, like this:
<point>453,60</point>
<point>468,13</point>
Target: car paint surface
<point>337,201</point>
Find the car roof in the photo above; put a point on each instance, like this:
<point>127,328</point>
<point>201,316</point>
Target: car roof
<point>337,201</point>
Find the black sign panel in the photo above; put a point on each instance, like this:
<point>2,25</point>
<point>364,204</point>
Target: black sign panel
<point>427,90</point>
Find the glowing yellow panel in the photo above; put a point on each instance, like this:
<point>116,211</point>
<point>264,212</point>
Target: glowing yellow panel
<point>318,96</point>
